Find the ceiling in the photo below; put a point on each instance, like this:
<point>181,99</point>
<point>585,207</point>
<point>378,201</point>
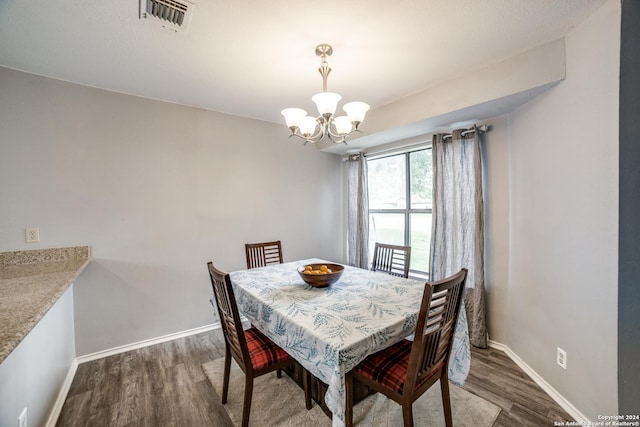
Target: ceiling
<point>253,58</point>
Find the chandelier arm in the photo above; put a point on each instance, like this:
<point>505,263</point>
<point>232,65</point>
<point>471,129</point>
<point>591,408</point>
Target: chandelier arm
<point>341,138</point>
<point>306,140</point>
<point>336,138</point>
<point>322,130</point>
<point>316,137</point>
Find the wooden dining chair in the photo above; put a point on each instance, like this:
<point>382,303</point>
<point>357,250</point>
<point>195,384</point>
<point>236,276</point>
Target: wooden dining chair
<point>254,353</point>
<point>404,371</point>
<point>263,254</point>
<point>391,259</point>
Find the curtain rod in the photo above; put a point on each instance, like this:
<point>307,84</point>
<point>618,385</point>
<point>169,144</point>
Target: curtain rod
<point>356,156</point>
<point>481,129</point>
<point>399,148</point>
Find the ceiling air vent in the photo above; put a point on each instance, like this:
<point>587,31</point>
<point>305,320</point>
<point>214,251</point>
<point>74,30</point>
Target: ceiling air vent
<point>169,13</point>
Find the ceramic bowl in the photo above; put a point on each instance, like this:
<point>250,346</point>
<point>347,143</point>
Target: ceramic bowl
<point>321,280</point>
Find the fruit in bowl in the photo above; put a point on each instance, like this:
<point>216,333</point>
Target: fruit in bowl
<point>320,275</point>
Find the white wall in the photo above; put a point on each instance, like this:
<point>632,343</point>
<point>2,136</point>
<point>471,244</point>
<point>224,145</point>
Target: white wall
<point>32,375</point>
<point>475,95</point>
<point>156,190</point>
<point>564,217</point>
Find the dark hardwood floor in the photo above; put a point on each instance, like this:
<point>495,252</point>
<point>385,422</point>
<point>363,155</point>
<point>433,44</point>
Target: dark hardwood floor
<point>164,385</point>
<point>497,378</point>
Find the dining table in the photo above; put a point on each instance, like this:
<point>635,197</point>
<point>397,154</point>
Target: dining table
<point>330,330</point>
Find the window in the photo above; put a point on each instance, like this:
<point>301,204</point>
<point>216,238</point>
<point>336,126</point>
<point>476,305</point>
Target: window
<point>400,192</point>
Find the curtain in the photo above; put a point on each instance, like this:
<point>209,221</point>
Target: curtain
<point>457,237</point>
<point>357,212</point>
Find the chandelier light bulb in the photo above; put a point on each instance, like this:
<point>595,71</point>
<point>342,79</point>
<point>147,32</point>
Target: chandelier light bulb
<point>356,111</point>
<point>327,102</point>
<point>293,116</point>
<point>343,125</point>
<point>308,126</point>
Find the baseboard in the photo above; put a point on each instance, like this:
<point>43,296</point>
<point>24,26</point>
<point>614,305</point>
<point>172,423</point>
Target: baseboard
<point>552,392</point>
<point>62,395</point>
<point>145,343</point>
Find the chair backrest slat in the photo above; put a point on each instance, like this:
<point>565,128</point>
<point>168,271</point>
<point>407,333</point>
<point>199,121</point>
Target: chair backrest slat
<point>435,329</point>
<point>225,301</point>
<point>263,254</point>
<point>391,259</point>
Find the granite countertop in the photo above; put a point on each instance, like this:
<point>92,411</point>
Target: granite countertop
<point>30,284</point>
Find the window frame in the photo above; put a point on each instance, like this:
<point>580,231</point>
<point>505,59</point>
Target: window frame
<point>408,209</point>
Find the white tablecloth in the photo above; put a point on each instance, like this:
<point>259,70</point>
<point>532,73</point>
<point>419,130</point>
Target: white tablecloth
<point>330,330</point>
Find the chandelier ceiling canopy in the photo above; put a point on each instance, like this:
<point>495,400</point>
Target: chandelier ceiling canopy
<point>326,124</point>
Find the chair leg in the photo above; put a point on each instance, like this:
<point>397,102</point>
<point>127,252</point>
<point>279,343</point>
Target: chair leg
<point>306,384</point>
<point>348,391</point>
<point>279,373</point>
<point>407,414</point>
<point>225,378</point>
<point>446,399</point>
<point>246,406</point>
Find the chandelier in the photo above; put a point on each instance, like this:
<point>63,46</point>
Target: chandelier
<point>315,129</point>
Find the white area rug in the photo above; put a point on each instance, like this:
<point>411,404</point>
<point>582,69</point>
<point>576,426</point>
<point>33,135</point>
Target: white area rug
<point>280,402</point>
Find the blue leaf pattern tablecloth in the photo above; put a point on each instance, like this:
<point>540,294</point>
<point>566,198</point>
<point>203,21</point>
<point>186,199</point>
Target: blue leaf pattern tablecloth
<point>330,330</point>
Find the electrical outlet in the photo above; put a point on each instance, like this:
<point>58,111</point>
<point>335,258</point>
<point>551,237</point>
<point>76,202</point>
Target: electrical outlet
<point>22,419</point>
<point>561,358</point>
<point>32,235</point>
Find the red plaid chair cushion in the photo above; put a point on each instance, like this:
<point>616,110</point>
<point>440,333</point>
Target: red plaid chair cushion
<point>262,350</point>
<point>388,367</point>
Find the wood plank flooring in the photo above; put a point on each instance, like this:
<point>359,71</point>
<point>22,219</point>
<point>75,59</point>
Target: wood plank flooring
<point>497,379</point>
<point>164,385</point>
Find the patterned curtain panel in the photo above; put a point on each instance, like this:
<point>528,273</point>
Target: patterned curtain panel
<point>457,238</point>
<point>358,212</point>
